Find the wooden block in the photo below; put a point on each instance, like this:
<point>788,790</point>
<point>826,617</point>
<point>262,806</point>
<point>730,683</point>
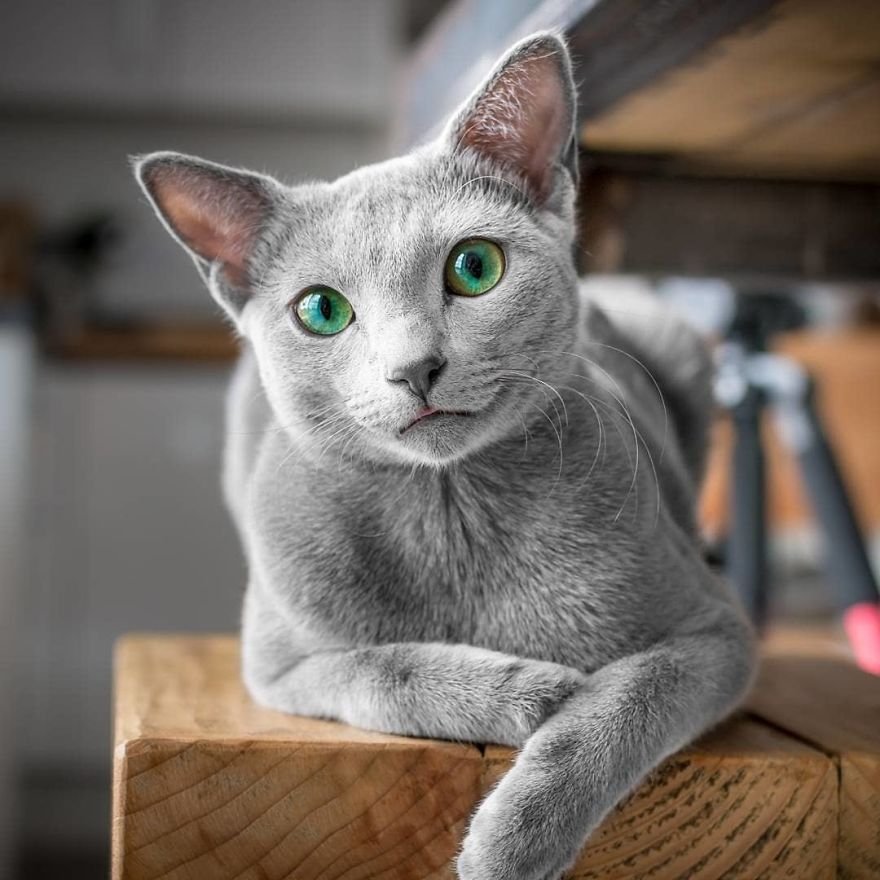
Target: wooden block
<point>208,785</point>
<point>746,801</point>
<point>809,688</point>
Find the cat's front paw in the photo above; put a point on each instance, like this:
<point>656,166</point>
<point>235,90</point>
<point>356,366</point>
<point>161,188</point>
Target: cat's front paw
<point>529,692</point>
<point>522,831</point>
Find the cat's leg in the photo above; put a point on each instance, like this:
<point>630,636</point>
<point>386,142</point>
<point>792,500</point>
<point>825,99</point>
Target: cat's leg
<point>419,689</point>
<point>603,741</point>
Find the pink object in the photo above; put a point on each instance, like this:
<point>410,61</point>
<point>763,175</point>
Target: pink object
<point>862,625</point>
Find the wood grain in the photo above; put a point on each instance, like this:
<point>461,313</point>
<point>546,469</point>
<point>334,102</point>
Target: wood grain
<point>746,801</point>
<point>206,342</point>
<point>792,93</point>
<point>810,690</point>
<point>209,785</point>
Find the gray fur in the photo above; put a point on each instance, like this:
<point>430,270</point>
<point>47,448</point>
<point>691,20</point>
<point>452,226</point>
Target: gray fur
<point>529,574</point>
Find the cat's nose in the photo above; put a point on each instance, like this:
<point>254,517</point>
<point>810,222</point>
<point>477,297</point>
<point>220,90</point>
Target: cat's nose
<point>420,375</point>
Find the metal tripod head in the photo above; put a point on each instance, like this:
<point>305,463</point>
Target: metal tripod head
<point>759,316</point>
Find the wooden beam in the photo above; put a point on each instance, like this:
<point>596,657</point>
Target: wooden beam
<point>618,45</point>
<point>745,801</point>
<point>207,784</point>
<point>639,217</point>
<point>809,688</point>
<point>794,94</point>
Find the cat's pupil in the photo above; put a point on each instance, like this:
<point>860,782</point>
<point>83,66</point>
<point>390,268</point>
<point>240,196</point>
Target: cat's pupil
<point>325,307</point>
<point>473,265</point>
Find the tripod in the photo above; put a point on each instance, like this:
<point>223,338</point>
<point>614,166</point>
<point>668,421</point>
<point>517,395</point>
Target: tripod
<point>749,378</point>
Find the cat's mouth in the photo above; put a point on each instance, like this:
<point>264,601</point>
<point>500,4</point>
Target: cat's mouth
<point>433,413</point>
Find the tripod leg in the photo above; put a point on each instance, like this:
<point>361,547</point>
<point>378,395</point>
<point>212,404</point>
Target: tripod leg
<point>747,550</point>
<point>849,569</point>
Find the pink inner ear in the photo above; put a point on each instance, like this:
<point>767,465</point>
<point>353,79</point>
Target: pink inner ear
<point>522,119</point>
<point>216,217</point>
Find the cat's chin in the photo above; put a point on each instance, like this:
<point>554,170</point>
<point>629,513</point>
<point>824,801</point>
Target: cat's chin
<point>437,437</point>
<point>430,415</point>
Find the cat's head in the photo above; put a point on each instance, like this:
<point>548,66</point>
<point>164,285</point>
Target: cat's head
<point>406,309</point>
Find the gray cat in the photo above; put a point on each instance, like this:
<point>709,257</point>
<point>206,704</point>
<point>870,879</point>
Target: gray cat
<point>464,488</point>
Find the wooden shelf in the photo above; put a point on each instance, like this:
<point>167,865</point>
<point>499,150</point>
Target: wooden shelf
<point>193,342</point>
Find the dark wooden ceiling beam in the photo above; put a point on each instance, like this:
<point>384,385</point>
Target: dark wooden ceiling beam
<point>752,232</point>
<point>619,46</point>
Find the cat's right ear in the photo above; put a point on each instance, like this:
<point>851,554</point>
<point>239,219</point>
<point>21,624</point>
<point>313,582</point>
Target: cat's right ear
<point>216,213</point>
<point>522,118</point>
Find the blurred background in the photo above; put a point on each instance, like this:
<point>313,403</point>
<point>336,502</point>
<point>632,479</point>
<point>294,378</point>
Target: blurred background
<point>731,157</point>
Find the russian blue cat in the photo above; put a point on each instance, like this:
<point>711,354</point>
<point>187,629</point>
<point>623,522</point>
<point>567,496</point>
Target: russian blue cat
<point>465,488</point>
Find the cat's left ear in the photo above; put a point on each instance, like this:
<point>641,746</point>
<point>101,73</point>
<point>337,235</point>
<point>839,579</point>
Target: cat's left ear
<point>216,213</point>
<point>523,116</point>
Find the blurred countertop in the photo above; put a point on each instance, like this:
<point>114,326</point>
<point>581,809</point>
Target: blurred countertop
<point>202,342</point>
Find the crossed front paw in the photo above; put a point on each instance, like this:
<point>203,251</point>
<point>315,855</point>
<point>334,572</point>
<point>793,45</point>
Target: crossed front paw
<point>505,843</point>
<point>529,692</point>
<point>531,827</point>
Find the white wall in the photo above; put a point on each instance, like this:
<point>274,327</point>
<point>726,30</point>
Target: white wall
<point>65,167</point>
<point>15,398</point>
<point>285,59</point>
<point>298,88</point>
<point>127,532</point>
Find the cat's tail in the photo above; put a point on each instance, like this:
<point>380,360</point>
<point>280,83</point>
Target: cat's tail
<point>675,352</point>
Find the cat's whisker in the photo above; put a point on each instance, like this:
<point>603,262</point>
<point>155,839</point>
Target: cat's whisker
<point>490,177</point>
<point>317,433</point>
<point>347,442</point>
<point>558,441</point>
<point>527,435</point>
<point>653,379</point>
<point>619,399</point>
<point>339,433</point>
<point>601,441</point>
<point>548,386</point>
<point>518,376</point>
<point>512,375</point>
<point>640,437</point>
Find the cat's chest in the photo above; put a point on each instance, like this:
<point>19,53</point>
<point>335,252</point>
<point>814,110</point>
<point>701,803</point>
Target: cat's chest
<point>483,564</point>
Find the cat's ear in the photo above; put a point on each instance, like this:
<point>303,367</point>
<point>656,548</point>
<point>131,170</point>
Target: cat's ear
<point>215,212</point>
<point>523,116</point>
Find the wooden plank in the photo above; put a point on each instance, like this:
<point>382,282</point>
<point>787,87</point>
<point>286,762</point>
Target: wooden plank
<point>622,46</point>
<point>618,47</point>
<point>757,87</point>
<point>793,93</point>
<point>808,689</point>
<point>751,231</point>
<point>837,136</point>
<point>206,784</point>
<point>207,342</point>
<point>746,801</point>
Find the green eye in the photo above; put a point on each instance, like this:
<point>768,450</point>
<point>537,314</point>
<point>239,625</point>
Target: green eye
<point>474,267</point>
<point>324,311</point>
